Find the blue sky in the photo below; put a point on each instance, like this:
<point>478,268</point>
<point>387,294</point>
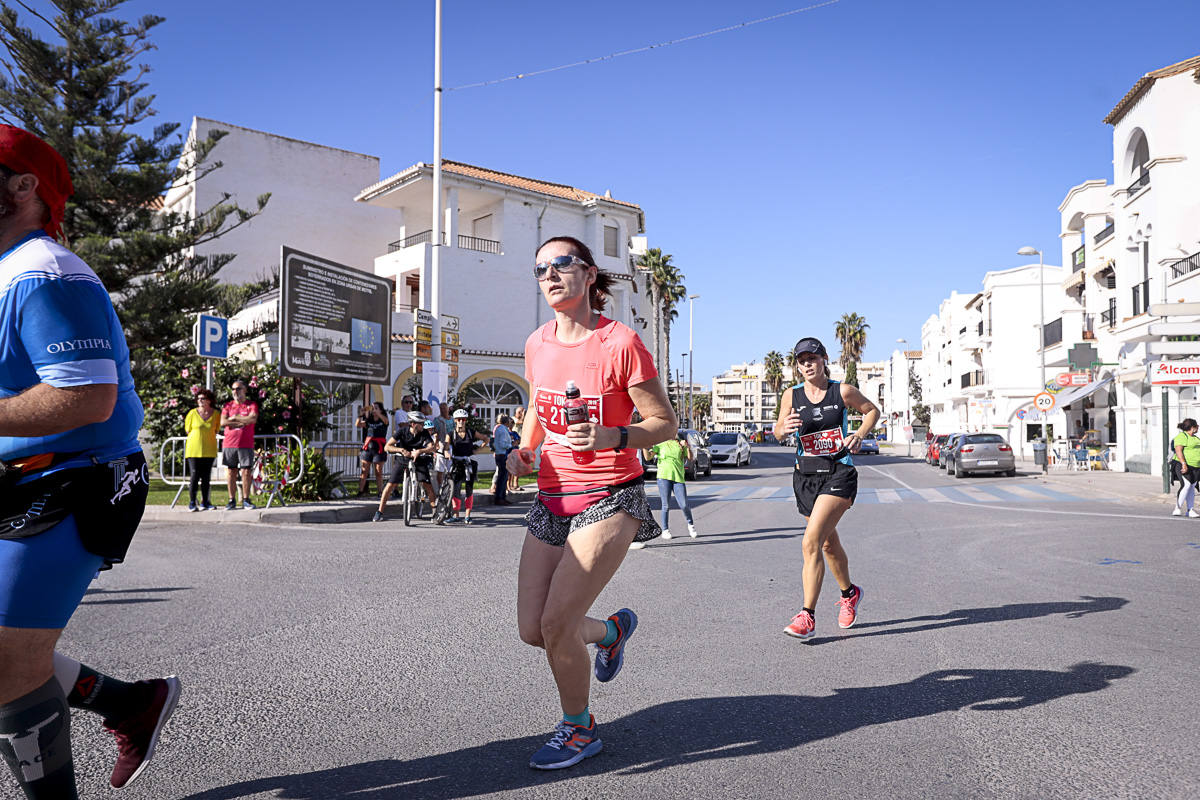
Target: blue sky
<point>869,156</point>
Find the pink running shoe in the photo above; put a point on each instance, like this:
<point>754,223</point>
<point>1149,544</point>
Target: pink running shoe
<point>137,736</point>
<point>802,626</point>
<point>848,607</point>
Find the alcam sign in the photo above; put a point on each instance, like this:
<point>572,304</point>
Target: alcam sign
<point>1174,373</point>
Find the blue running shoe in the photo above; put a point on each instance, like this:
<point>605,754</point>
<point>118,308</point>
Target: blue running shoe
<point>569,745</point>
<point>609,659</point>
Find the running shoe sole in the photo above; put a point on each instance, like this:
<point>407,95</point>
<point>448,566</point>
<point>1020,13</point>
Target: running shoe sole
<point>857,607</point>
<point>592,749</point>
<point>808,635</point>
<point>173,688</point>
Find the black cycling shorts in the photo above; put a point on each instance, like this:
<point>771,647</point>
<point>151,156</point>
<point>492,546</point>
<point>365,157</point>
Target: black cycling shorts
<point>423,465</point>
<point>841,482</point>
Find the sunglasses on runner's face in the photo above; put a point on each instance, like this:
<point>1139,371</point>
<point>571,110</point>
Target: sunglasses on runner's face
<point>561,264</point>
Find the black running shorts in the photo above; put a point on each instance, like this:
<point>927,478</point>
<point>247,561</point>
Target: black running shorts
<point>842,482</point>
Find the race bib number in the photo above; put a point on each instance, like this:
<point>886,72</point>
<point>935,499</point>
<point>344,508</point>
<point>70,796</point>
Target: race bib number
<point>548,405</point>
<point>821,443</point>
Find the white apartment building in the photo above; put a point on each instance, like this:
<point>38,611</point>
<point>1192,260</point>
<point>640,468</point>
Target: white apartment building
<point>1132,243</point>
<point>742,400</point>
<point>897,395</point>
<point>332,204</point>
<point>872,375</point>
<point>1126,244</point>
<point>311,208</point>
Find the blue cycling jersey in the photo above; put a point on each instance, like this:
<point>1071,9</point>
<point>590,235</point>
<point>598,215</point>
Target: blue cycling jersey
<point>58,326</point>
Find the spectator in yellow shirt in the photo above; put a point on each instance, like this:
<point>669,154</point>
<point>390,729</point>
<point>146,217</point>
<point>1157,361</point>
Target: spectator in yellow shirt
<point>201,450</point>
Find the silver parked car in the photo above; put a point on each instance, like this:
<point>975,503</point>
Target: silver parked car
<point>729,448</point>
<point>981,452</point>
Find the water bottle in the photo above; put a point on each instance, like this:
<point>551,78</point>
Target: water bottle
<point>575,410</point>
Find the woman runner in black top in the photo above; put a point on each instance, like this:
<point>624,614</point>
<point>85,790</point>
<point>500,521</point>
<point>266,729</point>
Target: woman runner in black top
<point>825,480</point>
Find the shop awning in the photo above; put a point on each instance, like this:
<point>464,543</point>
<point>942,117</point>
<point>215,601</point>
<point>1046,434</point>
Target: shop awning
<point>1068,396</point>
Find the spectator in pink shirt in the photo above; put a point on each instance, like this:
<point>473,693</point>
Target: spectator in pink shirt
<point>237,450</point>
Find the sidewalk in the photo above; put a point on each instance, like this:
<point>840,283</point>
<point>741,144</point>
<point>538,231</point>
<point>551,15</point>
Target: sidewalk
<point>348,510</point>
<point>1124,485</point>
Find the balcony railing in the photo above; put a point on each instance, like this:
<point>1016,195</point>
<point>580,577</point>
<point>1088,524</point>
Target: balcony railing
<point>1185,265</point>
<point>979,329</point>
<point>1142,182</point>
<point>1108,318</point>
<point>973,379</point>
<point>1078,259</point>
<point>1141,297</point>
<point>465,242</point>
<point>1104,234</point>
<point>1052,334</point>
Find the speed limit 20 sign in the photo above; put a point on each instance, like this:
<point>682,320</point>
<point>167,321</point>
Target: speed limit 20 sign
<point>1044,401</point>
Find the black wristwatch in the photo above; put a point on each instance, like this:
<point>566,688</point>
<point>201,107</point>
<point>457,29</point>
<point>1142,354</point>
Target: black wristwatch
<point>624,438</point>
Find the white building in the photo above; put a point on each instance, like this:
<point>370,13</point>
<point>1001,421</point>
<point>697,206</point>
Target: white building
<point>872,375</point>
<point>312,206</point>
<point>897,395</point>
<point>332,204</point>
<point>742,400</point>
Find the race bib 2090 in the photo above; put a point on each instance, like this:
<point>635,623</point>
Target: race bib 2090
<point>822,443</point>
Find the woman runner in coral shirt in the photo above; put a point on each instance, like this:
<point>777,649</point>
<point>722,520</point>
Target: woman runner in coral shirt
<point>591,502</point>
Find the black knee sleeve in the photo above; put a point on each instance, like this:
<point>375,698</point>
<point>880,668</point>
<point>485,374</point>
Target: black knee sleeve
<point>35,740</point>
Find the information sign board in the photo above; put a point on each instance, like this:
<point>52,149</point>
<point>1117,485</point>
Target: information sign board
<point>1174,373</point>
<point>450,338</point>
<point>450,355</point>
<point>335,321</point>
<point>422,317</point>
<point>1065,379</point>
<point>423,333</point>
<point>449,323</point>
<point>423,350</point>
<point>212,336</point>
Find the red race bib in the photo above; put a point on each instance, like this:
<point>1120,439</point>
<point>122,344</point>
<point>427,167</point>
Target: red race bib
<point>548,405</point>
<point>821,443</point>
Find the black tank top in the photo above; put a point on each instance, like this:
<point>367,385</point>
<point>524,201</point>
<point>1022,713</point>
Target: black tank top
<point>827,415</point>
<point>462,446</point>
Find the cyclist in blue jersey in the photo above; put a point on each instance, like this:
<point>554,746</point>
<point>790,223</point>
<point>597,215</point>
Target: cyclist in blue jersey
<point>73,482</point>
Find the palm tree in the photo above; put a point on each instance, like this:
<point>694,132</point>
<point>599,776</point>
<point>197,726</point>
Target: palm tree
<point>773,375</point>
<point>851,332</point>
<point>665,284</point>
<point>702,405</point>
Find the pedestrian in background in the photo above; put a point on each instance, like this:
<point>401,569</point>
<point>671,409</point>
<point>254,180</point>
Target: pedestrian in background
<point>1187,457</point>
<point>514,430</point>
<point>502,445</point>
<point>443,426</point>
<point>401,414</point>
<point>672,457</point>
<point>237,450</point>
<point>374,424</point>
<point>200,452</point>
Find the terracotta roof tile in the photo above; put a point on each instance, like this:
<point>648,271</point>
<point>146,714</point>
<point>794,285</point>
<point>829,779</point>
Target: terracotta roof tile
<point>1144,83</point>
<point>505,178</point>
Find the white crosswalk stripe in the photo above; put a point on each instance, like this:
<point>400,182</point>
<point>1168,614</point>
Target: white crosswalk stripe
<point>1000,493</point>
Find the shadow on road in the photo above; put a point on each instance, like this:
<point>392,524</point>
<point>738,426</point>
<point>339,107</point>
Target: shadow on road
<point>685,732</point>
<point>683,540</point>
<point>976,616</point>
<point>90,596</point>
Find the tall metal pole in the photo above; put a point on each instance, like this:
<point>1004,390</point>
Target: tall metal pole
<point>435,262</point>
<point>691,358</point>
<point>1042,350</point>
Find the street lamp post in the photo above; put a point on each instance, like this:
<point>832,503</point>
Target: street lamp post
<point>1029,251</point>
<point>907,401</point>
<point>691,358</point>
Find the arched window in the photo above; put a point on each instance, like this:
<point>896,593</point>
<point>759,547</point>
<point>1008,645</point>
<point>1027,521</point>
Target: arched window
<point>1137,153</point>
<point>493,397</point>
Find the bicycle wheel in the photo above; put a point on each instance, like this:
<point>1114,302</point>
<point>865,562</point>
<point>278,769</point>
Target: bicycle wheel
<point>445,493</point>
<point>409,487</point>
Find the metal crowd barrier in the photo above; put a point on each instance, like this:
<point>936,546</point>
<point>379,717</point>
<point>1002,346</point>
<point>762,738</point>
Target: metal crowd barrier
<point>172,469</point>
<point>344,458</point>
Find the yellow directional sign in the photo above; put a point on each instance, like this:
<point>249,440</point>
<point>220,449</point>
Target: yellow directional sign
<point>423,333</point>
<point>450,338</point>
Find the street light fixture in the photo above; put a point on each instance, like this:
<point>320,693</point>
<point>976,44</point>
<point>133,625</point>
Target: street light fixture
<point>1029,251</point>
<point>691,358</point>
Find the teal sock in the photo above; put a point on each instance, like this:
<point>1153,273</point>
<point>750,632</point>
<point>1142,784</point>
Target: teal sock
<point>611,637</point>
<point>584,719</point>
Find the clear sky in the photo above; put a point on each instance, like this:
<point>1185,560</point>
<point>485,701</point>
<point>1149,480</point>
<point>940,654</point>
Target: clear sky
<point>869,156</point>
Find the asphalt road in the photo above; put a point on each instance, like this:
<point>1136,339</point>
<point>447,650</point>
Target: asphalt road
<point>1013,643</point>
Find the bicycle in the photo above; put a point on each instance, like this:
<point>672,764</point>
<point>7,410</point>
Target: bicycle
<point>411,495</point>
<point>445,497</point>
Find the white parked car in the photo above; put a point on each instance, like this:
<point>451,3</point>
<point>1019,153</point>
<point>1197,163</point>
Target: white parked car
<point>729,448</point>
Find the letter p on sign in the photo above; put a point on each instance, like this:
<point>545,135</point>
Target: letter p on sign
<point>212,340</point>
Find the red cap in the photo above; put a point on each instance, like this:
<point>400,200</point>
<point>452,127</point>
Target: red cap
<point>23,152</point>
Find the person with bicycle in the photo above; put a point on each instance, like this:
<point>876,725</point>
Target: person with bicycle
<point>463,442</point>
<point>412,442</point>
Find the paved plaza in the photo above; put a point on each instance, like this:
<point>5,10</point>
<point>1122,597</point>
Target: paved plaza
<point>1017,639</point>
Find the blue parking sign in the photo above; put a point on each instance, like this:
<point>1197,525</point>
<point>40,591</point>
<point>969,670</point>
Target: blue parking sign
<point>212,336</point>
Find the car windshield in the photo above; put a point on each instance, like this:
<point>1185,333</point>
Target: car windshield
<point>869,439</point>
<point>985,438</point>
<point>942,439</point>
<point>723,438</point>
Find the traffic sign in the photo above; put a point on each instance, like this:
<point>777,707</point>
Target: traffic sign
<point>422,317</point>
<point>449,323</point>
<point>450,355</point>
<point>424,350</point>
<point>450,338</point>
<point>423,333</point>
<point>453,371</point>
<point>1020,413</point>
<point>1073,379</point>
<point>212,336</point>
<point>1174,373</point>
<point>1044,401</point>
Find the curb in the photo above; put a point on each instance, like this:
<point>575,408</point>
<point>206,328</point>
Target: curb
<point>299,513</point>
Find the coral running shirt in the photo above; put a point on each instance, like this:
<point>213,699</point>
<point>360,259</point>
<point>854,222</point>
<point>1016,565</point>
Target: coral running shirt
<point>603,366</point>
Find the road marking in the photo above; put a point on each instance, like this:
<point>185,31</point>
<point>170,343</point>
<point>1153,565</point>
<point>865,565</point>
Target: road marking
<point>887,496</point>
<point>932,495</point>
<point>1107,562</point>
<point>1144,517</point>
<point>975,493</point>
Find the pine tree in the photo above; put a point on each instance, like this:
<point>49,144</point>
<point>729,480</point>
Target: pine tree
<point>82,91</point>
